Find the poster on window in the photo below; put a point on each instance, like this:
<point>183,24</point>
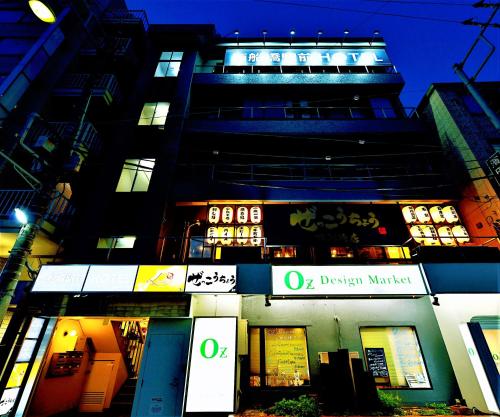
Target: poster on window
<point>286,357</point>
<point>211,279</point>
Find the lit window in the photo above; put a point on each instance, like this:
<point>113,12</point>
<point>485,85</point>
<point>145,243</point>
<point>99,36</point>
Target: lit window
<point>285,357</point>
<point>135,176</point>
<point>154,114</point>
<point>122,242</point>
<point>394,358</point>
<point>397,252</point>
<point>341,252</point>
<point>169,64</point>
<point>284,252</point>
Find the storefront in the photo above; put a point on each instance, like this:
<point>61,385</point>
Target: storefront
<point>379,316</point>
<point>467,308</point>
<point>132,339</point>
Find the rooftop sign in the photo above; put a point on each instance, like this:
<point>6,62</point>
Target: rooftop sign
<point>306,57</point>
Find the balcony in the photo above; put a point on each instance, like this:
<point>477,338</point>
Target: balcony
<point>118,47</point>
<point>300,119</point>
<point>58,216</point>
<point>75,85</point>
<point>127,18</point>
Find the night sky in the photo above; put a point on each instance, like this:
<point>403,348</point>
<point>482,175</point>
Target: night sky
<point>423,46</point>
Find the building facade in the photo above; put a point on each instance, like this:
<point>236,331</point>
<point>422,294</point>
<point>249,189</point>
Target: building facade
<point>252,225</point>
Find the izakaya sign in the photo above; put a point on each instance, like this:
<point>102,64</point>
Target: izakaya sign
<point>304,57</point>
<point>375,280</point>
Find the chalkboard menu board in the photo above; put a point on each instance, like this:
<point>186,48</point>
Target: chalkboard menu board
<point>377,364</point>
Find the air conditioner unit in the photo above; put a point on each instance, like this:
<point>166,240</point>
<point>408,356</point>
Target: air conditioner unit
<point>44,142</point>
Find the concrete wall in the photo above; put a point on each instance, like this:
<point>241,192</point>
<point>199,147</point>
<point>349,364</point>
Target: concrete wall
<point>323,335</point>
<point>454,310</point>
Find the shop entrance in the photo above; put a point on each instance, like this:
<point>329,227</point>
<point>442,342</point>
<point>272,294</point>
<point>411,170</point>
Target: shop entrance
<point>91,366</point>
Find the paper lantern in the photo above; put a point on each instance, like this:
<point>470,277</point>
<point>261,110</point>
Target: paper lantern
<point>446,235</point>
<point>226,234</point>
<point>255,215</point>
<point>460,234</point>
<point>437,214</point>
<point>450,214</point>
<point>227,214</point>
<point>256,235</point>
<point>212,235</point>
<point>242,234</point>
<point>431,236</point>
<point>409,214</point>
<point>242,215</point>
<point>423,215</point>
<point>214,215</point>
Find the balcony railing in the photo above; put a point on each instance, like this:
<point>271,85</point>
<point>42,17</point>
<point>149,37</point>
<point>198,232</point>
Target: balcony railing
<point>118,46</point>
<point>127,17</point>
<point>220,68</point>
<point>106,86</point>
<point>302,113</point>
<point>87,140</point>
<point>59,212</point>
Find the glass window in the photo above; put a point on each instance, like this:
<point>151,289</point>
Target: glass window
<point>284,353</point>
<point>284,252</point>
<point>154,114</point>
<point>169,65</point>
<point>341,252</point>
<point>394,357</point>
<point>122,242</point>
<point>135,176</point>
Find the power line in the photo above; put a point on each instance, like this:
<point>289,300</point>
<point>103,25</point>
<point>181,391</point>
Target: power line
<point>425,3</point>
<point>344,9</point>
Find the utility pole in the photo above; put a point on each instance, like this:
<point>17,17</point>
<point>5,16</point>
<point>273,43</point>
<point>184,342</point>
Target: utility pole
<point>459,68</point>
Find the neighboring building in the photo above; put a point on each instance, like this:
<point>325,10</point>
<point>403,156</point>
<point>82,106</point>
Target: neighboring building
<point>469,299</point>
<point>251,227</point>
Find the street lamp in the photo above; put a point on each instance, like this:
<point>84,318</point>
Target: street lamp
<point>21,216</point>
<point>42,10</point>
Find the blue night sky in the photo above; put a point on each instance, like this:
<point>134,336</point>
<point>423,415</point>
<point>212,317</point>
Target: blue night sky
<point>423,47</point>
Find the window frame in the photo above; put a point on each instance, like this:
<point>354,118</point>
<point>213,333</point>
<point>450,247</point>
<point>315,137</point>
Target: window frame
<point>262,356</point>
<point>424,362</point>
<point>164,64</point>
<point>114,240</point>
<point>153,120</point>
<point>136,174</point>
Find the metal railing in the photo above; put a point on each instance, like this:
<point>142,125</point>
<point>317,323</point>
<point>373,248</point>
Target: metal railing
<point>75,84</point>
<point>127,17</point>
<point>302,113</point>
<point>59,212</point>
<point>220,68</point>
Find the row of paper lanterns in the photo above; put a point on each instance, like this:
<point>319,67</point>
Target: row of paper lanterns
<point>243,215</point>
<point>448,236</point>
<point>228,235</point>
<point>436,214</point>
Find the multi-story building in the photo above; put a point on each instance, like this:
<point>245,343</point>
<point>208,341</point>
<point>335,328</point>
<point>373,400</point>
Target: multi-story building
<point>251,228</point>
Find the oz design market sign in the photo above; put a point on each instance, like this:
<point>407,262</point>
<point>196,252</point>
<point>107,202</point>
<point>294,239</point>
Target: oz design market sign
<point>348,280</point>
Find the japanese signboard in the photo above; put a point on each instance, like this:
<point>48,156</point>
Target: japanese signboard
<point>160,278</point>
<point>493,163</point>
<point>306,57</point>
<point>212,368</point>
<point>117,278</point>
<point>211,278</point>
<point>348,280</point>
<point>335,224</point>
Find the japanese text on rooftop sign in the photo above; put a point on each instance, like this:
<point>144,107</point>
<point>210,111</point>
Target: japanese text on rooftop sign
<point>305,57</point>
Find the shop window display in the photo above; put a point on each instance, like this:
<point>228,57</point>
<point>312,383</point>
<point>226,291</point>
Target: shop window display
<point>278,357</point>
<point>394,357</point>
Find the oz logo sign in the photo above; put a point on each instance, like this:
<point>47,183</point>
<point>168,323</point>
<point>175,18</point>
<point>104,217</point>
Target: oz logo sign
<point>211,349</point>
<point>294,281</point>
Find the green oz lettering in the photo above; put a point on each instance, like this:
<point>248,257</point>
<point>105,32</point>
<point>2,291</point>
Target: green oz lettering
<point>300,280</point>
<point>203,348</point>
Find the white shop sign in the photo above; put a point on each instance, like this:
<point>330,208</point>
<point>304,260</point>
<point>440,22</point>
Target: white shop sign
<point>61,278</point>
<point>211,383</point>
<point>378,280</point>
<point>211,279</point>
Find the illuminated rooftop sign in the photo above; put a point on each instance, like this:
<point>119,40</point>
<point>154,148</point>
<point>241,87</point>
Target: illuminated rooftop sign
<point>306,57</point>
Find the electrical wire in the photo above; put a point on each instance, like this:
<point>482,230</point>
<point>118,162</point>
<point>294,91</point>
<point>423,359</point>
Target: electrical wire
<point>423,3</point>
<point>344,9</point>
